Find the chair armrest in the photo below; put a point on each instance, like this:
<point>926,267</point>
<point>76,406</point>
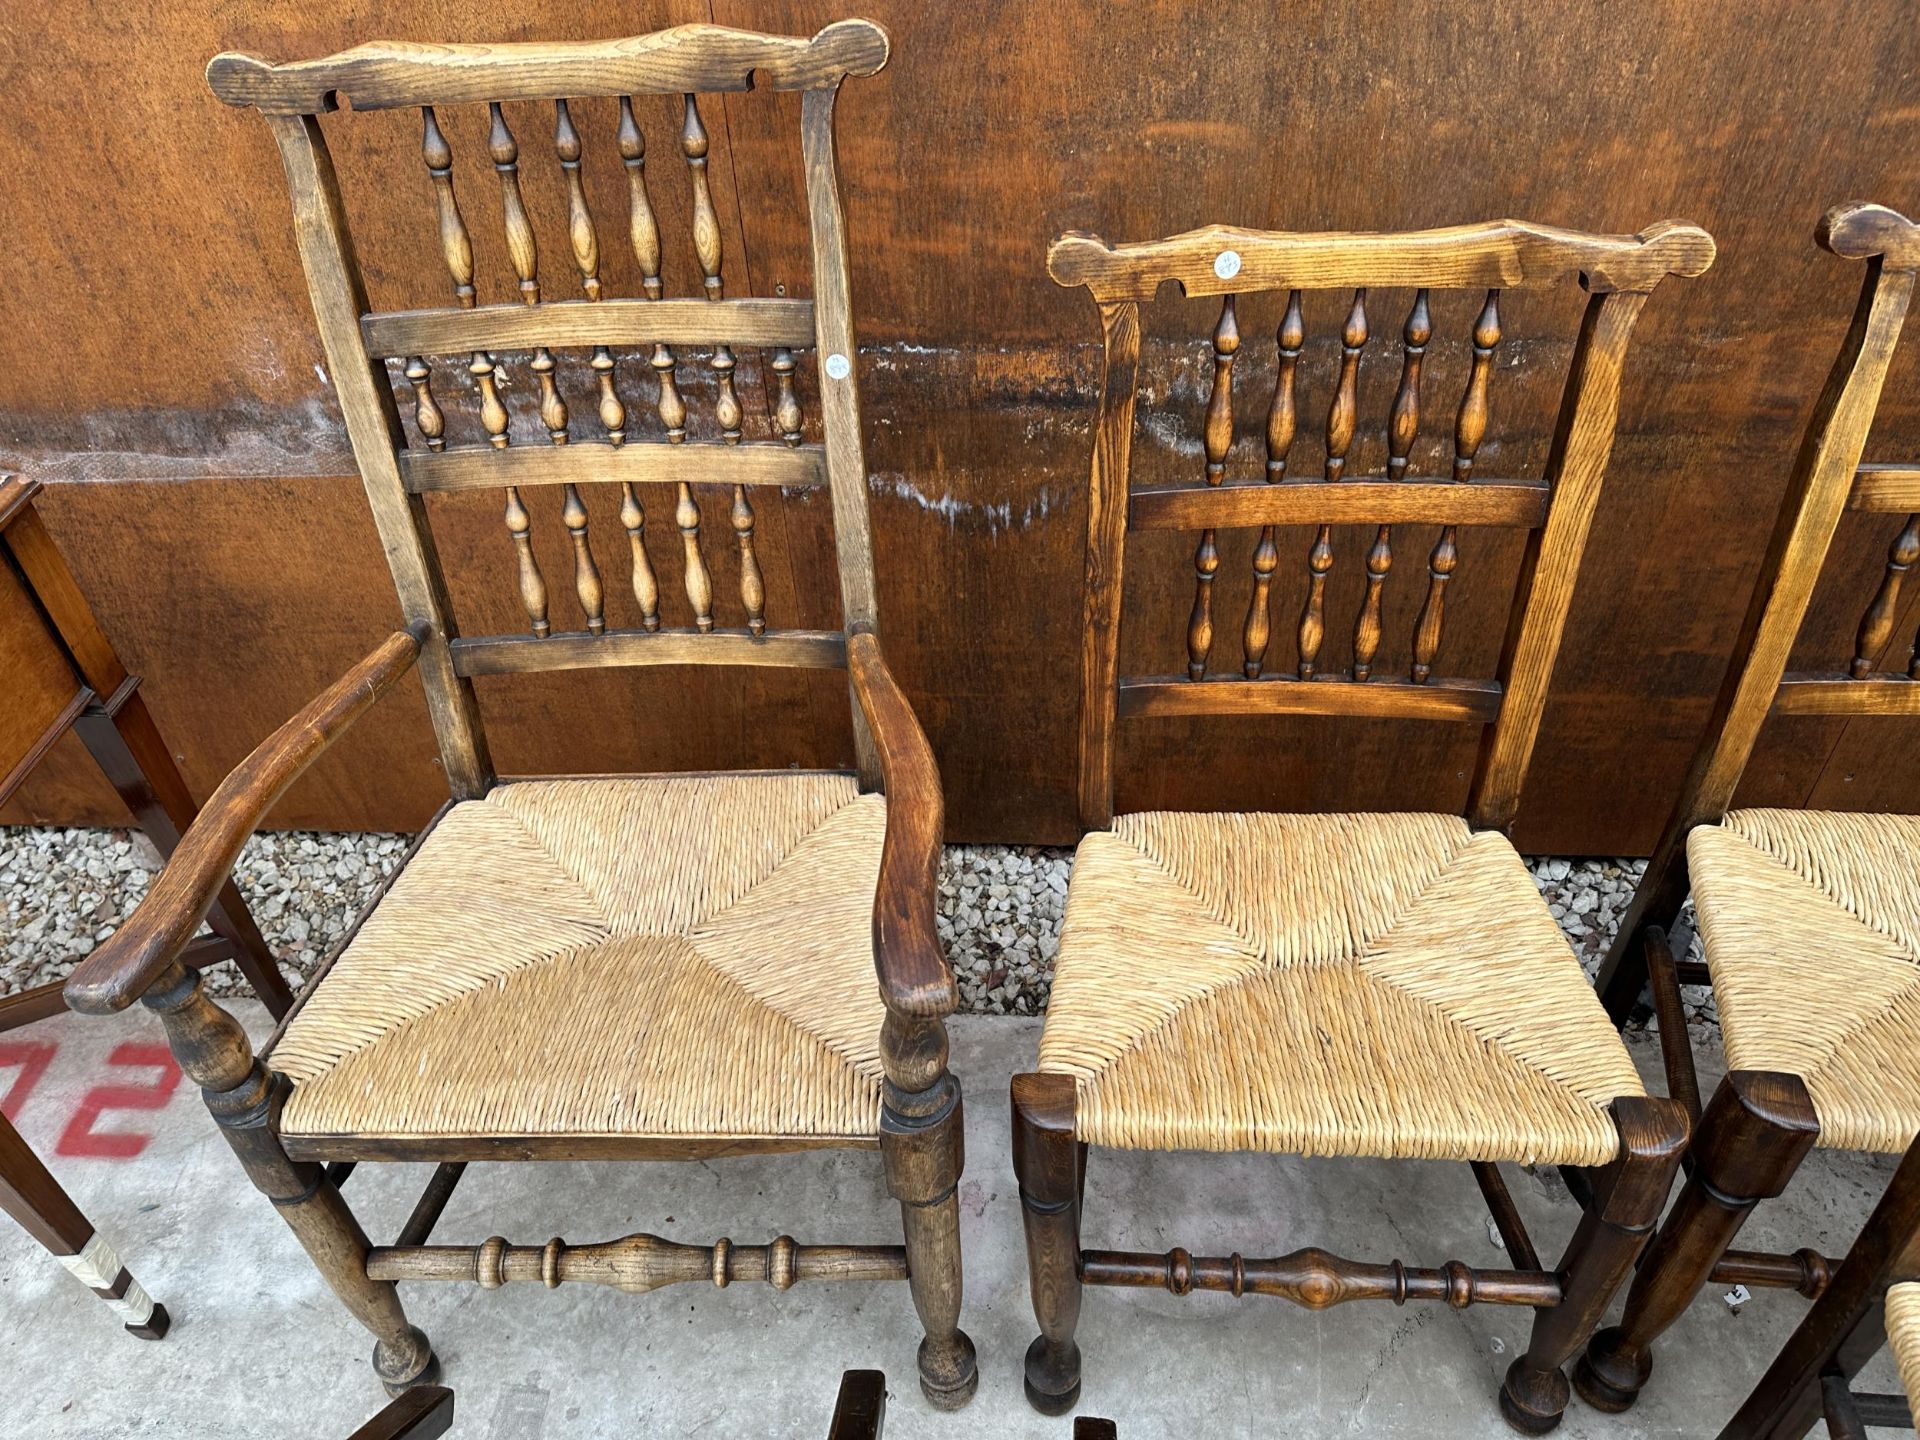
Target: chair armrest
<point>915,979</point>
<point>133,957</point>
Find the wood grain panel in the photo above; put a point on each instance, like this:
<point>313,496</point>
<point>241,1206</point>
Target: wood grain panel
<point>41,686</point>
<point>237,597</point>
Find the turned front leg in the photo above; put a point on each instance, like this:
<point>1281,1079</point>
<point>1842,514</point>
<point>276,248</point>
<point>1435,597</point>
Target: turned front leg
<point>1628,1197</point>
<point>922,1146</point>
<point>245,1098</point>
<point>1755,1132</point>
<point>1050,1167</point>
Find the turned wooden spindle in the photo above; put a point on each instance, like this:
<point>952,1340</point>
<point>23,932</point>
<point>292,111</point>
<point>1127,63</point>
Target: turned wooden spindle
<point>643,231</point>
<point>1218,436</point>
<point>580,231</point>
<point>786,410</point>
<point>646,589</point>
<point>553,409</point>
<point>727,403</point>
<point>1316,1279</point>
<point>1282,417</point>
<point>1877,624</point>
<point>586,574</point>
<point>427,417</point>
<point>533,587</point>
<point>706,224</point>
<point>493,414</point>
<point>1402,428</point>
<point>673,410</point>
<point>753,593</point>
<point>455,246</point>
<point>505,151</point>
<point>637,1263</point>
<point>613,414</point>
<point>1470,428</point>
<point>686,515</point>
<point>1342,415</point>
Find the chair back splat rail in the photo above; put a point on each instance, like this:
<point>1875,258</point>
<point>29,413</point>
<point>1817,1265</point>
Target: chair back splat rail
<point>587,353</point>
<point>1618,273</point>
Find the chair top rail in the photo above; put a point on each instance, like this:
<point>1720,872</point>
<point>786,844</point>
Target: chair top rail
<point>1498,254</point>
<point>699,58</point>
<point>1858,230</point>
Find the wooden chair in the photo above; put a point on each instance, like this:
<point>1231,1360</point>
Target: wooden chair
<point>1385,985</point>
<point>423,1413</point>
<point>1873,1300</point>
<point>63,675</point>
<point>648,967</point>
<point>426,1411</point>
<point>1810,920</point>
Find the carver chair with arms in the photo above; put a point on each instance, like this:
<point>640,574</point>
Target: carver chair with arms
<point>1386,985</point>
<point>1809,920</point>
<point>642,967</point>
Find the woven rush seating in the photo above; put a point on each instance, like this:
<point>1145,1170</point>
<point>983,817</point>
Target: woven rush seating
<point>1385,985</point>
<point>648,956</point>
<point>1903,1336</point>
<point>1811,925</point>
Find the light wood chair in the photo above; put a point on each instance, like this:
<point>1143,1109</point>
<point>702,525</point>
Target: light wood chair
<point>660,967</point>
<point>1388,985</point>
<point>1810,920</point>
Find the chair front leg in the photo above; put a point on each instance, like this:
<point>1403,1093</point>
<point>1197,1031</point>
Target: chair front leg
<point>922,1144</point>
<point>1628,1197</point>
<point>30,1194</point>
<point>1756,1130</point>
<point>1050,1165</point>
<point>245,1098</point>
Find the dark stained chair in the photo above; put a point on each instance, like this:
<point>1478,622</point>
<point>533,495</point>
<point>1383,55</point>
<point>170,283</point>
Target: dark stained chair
<point>1809,920</point>
<point>642,967</point>
<point>1385,985</point>
<point>62,674</point>
<point>1872,1300</point>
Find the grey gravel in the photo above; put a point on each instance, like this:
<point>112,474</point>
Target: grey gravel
<point>65,890</point>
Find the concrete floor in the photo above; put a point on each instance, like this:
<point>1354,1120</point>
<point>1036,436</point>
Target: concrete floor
<point>259,1347</point>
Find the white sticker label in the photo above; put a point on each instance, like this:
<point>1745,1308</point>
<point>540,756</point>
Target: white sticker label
<point>1227,264</point>
<point>838,367</point>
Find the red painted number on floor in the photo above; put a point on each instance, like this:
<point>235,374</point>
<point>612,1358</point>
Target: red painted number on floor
<point>31,1059</point>
<point>81,1138</point>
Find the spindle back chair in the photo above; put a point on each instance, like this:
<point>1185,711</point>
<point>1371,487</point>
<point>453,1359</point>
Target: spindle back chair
<point>401,466</point>
<point>1807,918</point>
<point>667,967</point>
<point>1382,985</point>
<point>1618,273</point>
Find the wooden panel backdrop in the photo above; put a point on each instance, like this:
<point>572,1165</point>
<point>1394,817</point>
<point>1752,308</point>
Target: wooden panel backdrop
<point>159,368</point>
